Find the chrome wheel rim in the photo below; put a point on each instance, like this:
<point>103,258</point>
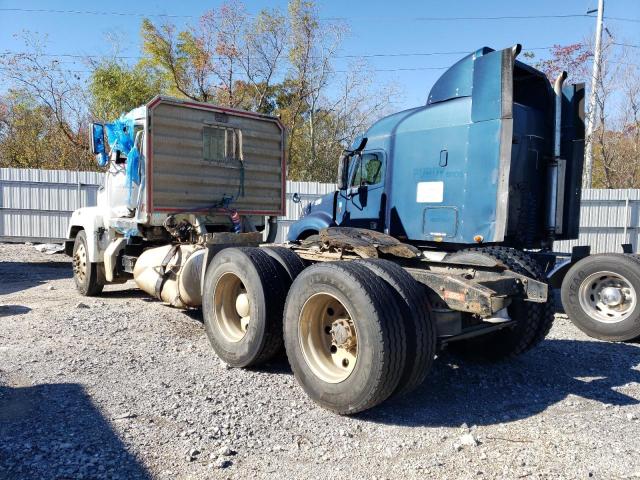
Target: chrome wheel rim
<point>80,262</point>
<point>607,297</point>
<point>232,305</point>
<point>328,338</point>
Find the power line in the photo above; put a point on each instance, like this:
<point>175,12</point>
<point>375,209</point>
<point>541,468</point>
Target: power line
<point>92,12</point>
<point>72,55</point>
<point>364,55</point>
<point>455,19</point>
<point>623,19</point>
<point>400,69</point>
<point>334,71</point>
<point>421,54</point>
<point>420,19</point>
<point>626,45</point>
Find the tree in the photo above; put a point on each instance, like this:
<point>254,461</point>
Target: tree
<point>617,136</point>
<point>616,142</point>
<point>312,49</point>
<point>573,59</point>
<point>31,136</point>
<point>117,88</point>
<point>275,64</point>
<point>356,104</point>
<point>201,62</point>
<point>264,49</point>
<point>47,82</point>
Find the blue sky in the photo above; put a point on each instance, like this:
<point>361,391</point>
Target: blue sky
<point>376,26</point>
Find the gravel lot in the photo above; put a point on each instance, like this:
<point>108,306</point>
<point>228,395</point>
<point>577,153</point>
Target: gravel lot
<point>122,386</point>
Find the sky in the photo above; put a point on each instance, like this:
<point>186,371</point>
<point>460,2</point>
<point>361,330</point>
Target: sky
<point>375,27</point>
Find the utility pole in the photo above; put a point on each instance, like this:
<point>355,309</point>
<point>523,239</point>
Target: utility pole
<point>591,120</point>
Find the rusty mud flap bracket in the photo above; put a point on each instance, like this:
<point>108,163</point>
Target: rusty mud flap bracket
<point>483,294</point>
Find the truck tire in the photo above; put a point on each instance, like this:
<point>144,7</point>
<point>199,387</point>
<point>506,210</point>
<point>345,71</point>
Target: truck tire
<point>242,305</point>
<point>87,275</point>
<point>344,336</point>
<point>419,326</point>
<point>600,296</point>
<point>291,262</point>
<point>534,320</point>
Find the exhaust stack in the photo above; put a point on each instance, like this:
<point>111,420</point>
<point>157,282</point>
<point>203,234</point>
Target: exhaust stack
<point>556,165</point>
<point>557,89</point>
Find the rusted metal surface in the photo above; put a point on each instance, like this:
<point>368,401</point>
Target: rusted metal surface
<point>482,290</point>
<point>496,276</point>
<point>249,239</point>
<point>461,294</point>
<point>365,243</point>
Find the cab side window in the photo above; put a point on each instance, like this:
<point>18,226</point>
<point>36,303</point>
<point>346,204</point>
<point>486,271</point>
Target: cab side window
<point>355,173</point>
<point>369,170</point>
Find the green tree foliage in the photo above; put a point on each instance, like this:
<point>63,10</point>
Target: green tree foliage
<point>117,88</point>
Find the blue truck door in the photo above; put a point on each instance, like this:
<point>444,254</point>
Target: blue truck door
<point>361,205</point>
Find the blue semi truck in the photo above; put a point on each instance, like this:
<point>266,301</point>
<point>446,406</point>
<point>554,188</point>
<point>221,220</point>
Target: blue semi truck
<point>479,164</point>
<point>492,163</point>
<point>440,233</point>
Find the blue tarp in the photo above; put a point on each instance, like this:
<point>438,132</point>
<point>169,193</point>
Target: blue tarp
<point>120,134</point>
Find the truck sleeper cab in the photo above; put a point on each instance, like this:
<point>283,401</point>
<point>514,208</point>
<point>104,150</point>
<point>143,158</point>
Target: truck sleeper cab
<point>494,158</point>
<point>469,167</point>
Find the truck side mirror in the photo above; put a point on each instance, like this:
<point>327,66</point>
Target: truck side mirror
<point>97,143</point>
<point>343,171</point>
<point>97,138</point>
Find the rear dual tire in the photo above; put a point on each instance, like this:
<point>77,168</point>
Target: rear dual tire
<point>344,336</point>
<point>245,291</point>
<point>355,333</point>
<point>421,330</point>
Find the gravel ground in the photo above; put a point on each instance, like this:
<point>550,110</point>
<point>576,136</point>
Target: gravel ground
<point>122,386</point>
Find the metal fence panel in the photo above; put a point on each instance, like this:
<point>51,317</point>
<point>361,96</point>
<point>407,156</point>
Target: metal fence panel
<point>308,192</point>
<point>35,205</point>
<point>608,218</point>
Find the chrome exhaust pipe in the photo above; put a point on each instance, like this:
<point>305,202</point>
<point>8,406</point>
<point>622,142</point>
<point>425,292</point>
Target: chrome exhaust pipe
<point>516,49</point>
<point>554,165</point>
<point>557,89</point>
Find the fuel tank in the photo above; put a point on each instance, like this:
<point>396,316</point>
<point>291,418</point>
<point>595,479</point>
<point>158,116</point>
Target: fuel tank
<point>171,273</point>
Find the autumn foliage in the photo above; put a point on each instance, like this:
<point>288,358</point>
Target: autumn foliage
<point>274,62</point>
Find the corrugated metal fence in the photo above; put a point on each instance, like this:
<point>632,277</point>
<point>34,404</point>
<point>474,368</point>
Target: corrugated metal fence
<point>308,192</point>
<point>35,205</point>
<point>608,218</point>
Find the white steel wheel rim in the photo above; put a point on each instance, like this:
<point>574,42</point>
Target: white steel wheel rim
<point>328,338</point>
<point>232,307</point>
<point>607,297</point>
<point>80,262</point>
